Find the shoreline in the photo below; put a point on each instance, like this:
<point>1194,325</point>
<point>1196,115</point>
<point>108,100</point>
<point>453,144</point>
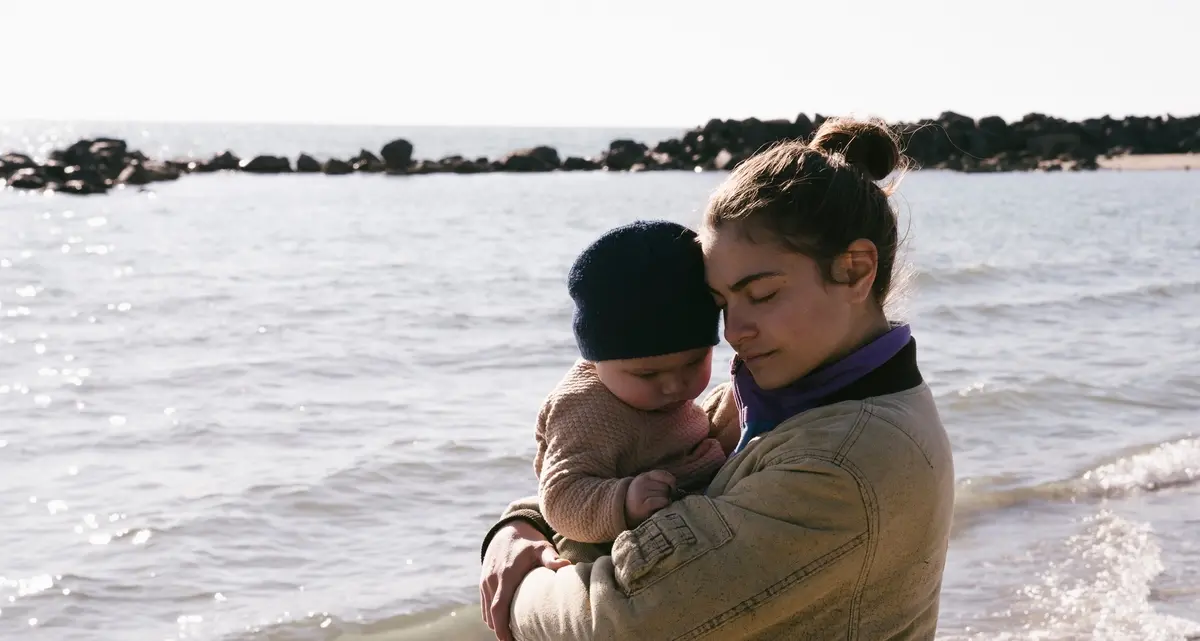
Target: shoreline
<point>949,142</point>
<point>1151,162</point>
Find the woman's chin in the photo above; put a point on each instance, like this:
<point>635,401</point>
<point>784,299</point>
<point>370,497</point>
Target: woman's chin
<point>766,377</point>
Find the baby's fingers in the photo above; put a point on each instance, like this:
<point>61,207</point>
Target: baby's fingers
<point>656,503</point>
<point>661,476</point>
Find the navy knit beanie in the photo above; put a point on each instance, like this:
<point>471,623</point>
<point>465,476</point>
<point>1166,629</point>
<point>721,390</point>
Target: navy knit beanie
<point>639,291</point>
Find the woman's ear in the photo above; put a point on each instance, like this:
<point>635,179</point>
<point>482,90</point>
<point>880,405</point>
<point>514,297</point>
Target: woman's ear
<point>856,268</point>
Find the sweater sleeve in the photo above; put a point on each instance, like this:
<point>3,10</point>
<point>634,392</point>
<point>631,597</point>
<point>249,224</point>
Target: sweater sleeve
<point>723,417</point>
<point>579,446</point>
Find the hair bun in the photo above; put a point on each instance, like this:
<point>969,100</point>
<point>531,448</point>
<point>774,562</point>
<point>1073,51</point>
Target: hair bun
<point>867,144</point>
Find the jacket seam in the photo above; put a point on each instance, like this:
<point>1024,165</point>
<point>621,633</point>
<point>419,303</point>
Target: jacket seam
<point>871,509</point>
<point>726,538</point>
<point>871,506</point>
<point>773,590</point>
<point>924,454</point>
<point>868,537</point>
<point>852,435</point>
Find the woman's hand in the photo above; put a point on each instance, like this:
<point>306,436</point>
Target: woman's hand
<point>515,550</point>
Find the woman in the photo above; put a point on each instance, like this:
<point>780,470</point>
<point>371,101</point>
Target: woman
<point>831,518</point>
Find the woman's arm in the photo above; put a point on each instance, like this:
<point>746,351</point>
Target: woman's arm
<point>796,527</point>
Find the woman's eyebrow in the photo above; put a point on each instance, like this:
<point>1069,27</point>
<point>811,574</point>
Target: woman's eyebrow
<point>746,280</point>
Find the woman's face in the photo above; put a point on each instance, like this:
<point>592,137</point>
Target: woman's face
<point>781,315</point>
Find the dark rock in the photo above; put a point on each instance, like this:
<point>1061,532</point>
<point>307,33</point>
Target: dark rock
<point>535,159</point>
<point>306,164</point>
<point>754,135</point>
<point>335,167</point>
<point>397,154</point>
<point>575,163</point>
<point>671,147</point>
<point>89,176</point>
<point>27,178</point>
<point>663,161</point>
<point>266,165</point>
<point>781,130</point>
<point>803,127</point>
<point>460,165</point>
<point>139,173</point>
<point>623,154</point>
<point>12,163</point>
<point>226,161</point>
<point>993,135</point>
<point>422,167</point>
<point>367,162</point>
<point>82,188</point>
<point>182,165</point>
<point>1053,144</point>
<point>55,170</point>
<point>107,155</point>
<point>1085,164</point>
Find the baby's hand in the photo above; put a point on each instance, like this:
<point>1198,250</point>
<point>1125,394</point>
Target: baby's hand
<point>648,493</point>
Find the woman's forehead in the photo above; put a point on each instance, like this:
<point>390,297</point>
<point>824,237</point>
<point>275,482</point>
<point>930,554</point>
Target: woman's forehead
<point>727,252</point>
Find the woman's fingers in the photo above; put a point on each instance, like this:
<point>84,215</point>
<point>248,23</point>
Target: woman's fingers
<point>551,559</point>
<point>515,551</point>
<point>500,605</point>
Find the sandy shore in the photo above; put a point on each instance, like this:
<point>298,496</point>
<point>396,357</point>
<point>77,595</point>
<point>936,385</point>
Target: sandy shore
<point>1150,161</point>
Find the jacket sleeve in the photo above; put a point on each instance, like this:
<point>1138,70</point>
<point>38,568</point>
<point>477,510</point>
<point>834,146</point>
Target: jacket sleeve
<point>582,498</point>
<point>712,565</point>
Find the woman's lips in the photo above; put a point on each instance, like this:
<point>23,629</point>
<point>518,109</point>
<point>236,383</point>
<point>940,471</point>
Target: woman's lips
<point>757,358</point>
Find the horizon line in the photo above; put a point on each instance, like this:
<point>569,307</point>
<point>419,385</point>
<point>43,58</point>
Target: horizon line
<point>487,125</point>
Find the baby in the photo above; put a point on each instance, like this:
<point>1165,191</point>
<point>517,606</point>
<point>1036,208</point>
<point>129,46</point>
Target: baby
<point>620,436</point>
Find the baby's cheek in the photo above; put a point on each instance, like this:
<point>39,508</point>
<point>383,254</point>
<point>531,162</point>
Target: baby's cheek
<point>643,394</point>
<point>699,382</point>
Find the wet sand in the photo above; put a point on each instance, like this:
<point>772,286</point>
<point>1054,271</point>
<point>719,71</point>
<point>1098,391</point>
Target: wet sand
<point>1140,162</point>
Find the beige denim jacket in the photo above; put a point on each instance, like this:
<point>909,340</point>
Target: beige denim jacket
<point>834,525</point>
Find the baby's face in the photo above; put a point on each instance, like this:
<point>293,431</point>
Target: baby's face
<point>658,382</point>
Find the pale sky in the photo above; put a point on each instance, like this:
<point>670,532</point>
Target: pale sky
<point>606,62</point>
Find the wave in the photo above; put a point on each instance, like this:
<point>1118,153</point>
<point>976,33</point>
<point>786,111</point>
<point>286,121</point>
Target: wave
<point>1117,297</point>
<point>1147,469</point>
<point>1046,390</point>
<point>1080,266</point>
<point>1099,586</point>
<point>457,622</point>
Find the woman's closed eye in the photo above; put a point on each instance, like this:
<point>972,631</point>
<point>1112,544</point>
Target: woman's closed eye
<point>758,300</point>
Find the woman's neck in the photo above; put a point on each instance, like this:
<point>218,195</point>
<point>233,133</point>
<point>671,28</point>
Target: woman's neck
<point>867,328</point>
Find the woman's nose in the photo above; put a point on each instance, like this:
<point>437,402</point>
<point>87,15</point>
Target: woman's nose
<point>738,328</point>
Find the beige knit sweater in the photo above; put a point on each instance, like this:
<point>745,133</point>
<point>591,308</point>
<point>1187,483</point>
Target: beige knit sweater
<point>591,445</point>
